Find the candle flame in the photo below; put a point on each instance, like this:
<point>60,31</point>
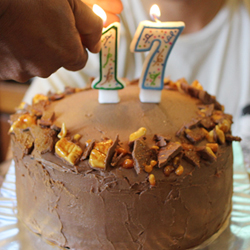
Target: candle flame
<point>100,12</point>
<point>155,12</point>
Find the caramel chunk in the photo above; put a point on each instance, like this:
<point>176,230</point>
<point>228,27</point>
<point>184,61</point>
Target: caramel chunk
<point>103,146</point>
<point>196,84</point>
<point>206,153</point>
<point>128,163</point>
<point>149,168</point>
<point>225,125</point>
<point>137,134</point>
<point>97,159</point>
<point>102,153</point>
<point>121,150</point>
<point>151,179</point>
<point>210,136</point>
<point>219,135</point>
<point>77,137</point>
<point>23,122</point>
<point>179,170</point>
<point>213,146</point>
<point>38,98</point>
<point>63,131</point>
<point>68,151</point>
<point>168,170</point>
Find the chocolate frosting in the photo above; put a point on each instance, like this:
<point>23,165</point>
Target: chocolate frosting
<point>84,208</point>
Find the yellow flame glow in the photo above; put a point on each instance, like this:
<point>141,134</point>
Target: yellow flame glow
<point>155,12</point>
<point>99,12</point>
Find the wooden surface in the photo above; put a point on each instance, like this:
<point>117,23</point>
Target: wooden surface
<point>11,95</point>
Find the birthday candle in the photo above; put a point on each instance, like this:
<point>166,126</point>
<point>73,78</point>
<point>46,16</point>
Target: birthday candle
<point>108,83</point>
<point>158,38</point>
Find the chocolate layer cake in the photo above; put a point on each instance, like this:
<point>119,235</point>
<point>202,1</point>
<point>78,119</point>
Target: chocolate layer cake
<point>124,176</point>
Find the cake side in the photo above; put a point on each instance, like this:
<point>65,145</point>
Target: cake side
<point>120,206</point>
<point>106,212</point>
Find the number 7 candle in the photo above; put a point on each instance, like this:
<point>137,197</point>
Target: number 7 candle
<point>158,38</point>
<point>108,82</point>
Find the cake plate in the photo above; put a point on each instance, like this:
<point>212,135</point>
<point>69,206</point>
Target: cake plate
<point>15,236</point>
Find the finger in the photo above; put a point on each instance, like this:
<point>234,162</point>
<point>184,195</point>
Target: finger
<point>79,63</point>
<point>89,26</point>
<point>15,75</point>
<point>111,18</point>
<point>112,6</point>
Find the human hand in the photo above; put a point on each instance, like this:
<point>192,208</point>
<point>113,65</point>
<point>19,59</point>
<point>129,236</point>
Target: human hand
<point>38,37</point>
<point>111,7</point>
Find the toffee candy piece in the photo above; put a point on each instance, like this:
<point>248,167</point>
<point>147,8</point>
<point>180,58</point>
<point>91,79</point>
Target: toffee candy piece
<point>82,207</point>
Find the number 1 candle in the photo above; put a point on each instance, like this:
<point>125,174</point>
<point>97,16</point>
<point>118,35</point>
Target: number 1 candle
<point>108,82</point>
<point>158,38</point>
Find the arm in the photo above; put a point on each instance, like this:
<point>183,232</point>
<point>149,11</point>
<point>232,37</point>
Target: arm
<point>111,7</point>
<point>38,37</point>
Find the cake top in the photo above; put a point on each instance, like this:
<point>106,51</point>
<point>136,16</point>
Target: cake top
<point>73,132</point>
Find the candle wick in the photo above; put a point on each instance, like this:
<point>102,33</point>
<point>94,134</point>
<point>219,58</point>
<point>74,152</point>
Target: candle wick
<point>155,18</point>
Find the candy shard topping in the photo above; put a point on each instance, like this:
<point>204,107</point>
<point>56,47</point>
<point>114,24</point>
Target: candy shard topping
<point>192,157</point>
<point>24,140</point>
<point>44,138</point>
<point>161,141</point>
<point>167,153</point>
<point>142,155</point>
<point>46,119</point>
<point>87,150</point>
<point>207,153</point>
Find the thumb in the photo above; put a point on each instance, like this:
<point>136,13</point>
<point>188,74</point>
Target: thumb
<point>89,26</point>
